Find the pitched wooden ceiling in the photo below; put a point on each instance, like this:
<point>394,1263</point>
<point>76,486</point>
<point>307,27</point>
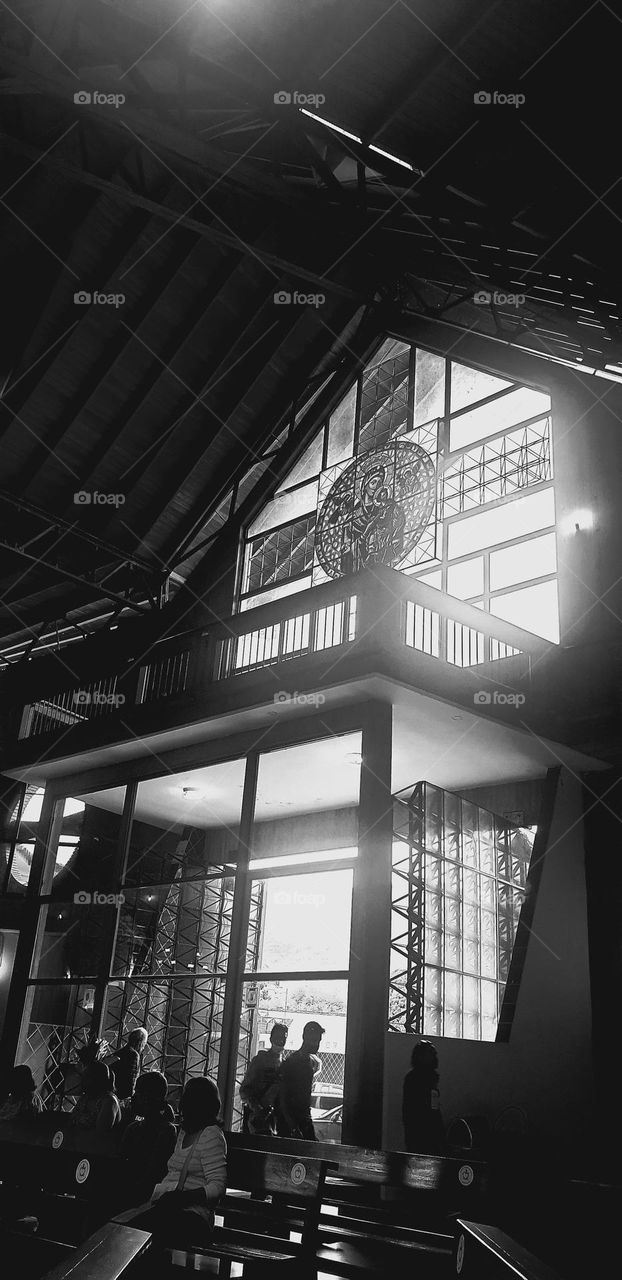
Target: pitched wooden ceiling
<point>186,190</point>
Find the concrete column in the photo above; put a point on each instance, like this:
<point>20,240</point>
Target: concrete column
<point>370,937</point>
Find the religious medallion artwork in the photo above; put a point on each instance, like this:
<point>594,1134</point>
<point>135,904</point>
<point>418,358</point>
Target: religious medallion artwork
<point>377,510</point>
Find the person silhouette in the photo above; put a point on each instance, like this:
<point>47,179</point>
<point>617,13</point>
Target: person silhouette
<point>297,1075</point>
<point>260,1087</point>
<point>421,1113</point>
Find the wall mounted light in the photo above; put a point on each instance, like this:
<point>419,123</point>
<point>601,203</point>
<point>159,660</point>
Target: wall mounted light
<point>579,521</point>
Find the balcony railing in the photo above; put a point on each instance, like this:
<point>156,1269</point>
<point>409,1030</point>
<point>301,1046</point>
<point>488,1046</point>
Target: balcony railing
<point>377,612</point>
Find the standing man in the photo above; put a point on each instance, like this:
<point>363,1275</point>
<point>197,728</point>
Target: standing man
<point>260,1086</point>
<point>296,1081</point>
<point>127,1065</point>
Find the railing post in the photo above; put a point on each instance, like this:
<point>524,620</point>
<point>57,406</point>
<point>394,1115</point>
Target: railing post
<point>204,663</point>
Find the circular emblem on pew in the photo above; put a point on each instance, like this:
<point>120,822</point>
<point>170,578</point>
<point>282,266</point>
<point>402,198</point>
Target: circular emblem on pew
<point>298,1173</point>
<point>465,1175</point>
<point>460,1255</point>
<point>58,1139</point>
<point>82,1171</point>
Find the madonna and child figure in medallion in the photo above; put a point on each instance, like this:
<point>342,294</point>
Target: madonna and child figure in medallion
<point>377,510</point>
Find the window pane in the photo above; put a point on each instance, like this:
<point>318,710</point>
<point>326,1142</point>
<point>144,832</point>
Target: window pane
<point>429,386</point>
<point>306,922</point>
<point>533,559</point>
<point>434,579</point>
<point>534,608</point>
<point>74,938</point>
<point>465,580</point>
<point>286,507</point>
<point>294,1002</point>
<point>341,429</point>
<point>310,464</point>
<point>59,1018</point>
<point>284,554</point>
<point>469,385</point>
<point>275,593</point>
<point>516,406</point>
<point>384,399</point>
<point>511,520</point>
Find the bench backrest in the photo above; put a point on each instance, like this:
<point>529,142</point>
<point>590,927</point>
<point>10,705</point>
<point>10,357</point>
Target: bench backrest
<point>58,1157</point>
<point>476,1242</point>
<point>41,1130</point>
<point>275,1173</point>
<point>108,1253</point>
<point>396,1169</point>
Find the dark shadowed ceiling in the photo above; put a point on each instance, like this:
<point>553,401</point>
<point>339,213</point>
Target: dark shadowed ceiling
<point>163,192</point>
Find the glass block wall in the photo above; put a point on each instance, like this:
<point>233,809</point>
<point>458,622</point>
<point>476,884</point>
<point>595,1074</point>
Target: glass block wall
<point>459,883</point>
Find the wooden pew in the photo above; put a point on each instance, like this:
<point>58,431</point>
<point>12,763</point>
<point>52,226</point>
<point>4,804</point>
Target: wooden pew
<point>65,1176</point>
<point>105,1255</point>
<point>370,1238</point>
<point>253,1229</point>
<point>429,1189</point>
<point>487,1253</point>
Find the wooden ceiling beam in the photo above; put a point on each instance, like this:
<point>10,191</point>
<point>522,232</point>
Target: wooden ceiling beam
<point>202,229</point>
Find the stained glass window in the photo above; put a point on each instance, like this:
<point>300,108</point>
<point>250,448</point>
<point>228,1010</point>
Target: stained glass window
<point>487,442</point>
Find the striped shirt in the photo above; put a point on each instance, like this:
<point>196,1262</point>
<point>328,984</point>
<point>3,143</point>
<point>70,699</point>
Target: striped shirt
<point>207,1167</point>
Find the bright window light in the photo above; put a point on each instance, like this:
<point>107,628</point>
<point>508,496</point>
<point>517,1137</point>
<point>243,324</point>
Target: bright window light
<point>296,859</point>
<point>533,608</point>
<point>497,415</point>
<point>466,580</point>
<point>32,810</point>
<point>73,806</point>
<point>527,560</point>
<point>501,524</point>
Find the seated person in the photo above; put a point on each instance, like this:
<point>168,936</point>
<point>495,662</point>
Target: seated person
<point>149,1141</point>
<point>97,1107</point>
<point>182,1204</point>
<point>23,1099</point>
